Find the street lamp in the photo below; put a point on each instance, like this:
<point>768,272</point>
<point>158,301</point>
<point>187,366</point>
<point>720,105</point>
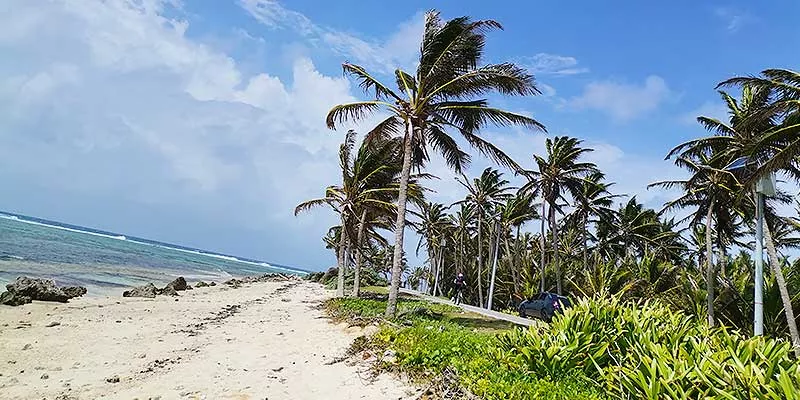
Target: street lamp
<point>765,186</point>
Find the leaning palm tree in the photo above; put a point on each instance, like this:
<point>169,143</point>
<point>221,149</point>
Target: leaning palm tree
<point>561,173</point>
<point>444,95</point>
<point>365,197</point>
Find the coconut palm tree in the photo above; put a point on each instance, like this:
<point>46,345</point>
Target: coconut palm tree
<point>595,202</point>
<point>444,95</point>
<point>433,228</point>
<point>757,134</point>
<point>485,193</point>
<point>513,214</point>
<point>560,173</point>
<point>364,200</point>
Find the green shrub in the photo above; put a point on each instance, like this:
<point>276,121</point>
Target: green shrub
<point>646,351</point>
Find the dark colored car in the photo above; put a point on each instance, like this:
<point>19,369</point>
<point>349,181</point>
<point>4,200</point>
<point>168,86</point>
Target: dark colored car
<point>544,306</point>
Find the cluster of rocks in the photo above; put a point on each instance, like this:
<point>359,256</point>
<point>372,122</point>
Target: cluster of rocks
<point>236,282</point>
<point>150,290</point>
<point>24,290</point>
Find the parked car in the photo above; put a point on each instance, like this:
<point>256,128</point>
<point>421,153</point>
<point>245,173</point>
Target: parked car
<point>544,306</point>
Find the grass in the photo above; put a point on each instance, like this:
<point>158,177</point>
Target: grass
<point>442,346</point>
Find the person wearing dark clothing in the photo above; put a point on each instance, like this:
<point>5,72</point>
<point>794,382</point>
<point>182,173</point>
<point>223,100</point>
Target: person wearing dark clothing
<point>460,285</point>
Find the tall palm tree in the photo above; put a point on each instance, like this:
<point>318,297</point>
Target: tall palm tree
<point>434,227</point>
<point>595,201</point>
<point>559,174</point>
<point>513,214</point>
<point>485,193</point>
<point>444,95</point>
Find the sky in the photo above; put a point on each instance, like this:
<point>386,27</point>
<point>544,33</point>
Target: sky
<point>201,122</point>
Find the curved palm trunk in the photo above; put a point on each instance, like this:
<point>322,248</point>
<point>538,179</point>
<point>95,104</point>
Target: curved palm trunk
<point>709,267</point>
<point>359,249</point>
<point>787,300</point>
<point>480,258</point>
<point>342,258</point>
<point>554,231</point>
<point>400,224</point>
<point>544,246</point>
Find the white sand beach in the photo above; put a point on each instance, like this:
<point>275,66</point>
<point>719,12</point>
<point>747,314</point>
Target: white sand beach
<point>260,341</point>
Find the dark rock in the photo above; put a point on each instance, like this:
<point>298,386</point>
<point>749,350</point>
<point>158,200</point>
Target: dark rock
<point>201,284</point>
<point>25,289</point>
<point>27,346</point>
<point>52,324</point>
<point>212,283</point>
<point>45,376</point>
<point>235,282</point>
<point>148,290</point>
<point>178,284</point>
<point>113,379</point>
<point>168,291</point>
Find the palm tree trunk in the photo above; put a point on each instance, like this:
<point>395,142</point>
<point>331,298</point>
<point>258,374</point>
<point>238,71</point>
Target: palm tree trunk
<point>400,224</point>
<point>585,241</point>
<point>721,257</point>
<point>709,267</point>
<point>512,259</point>
<point>554,231</point>
<point>342,258</point>
<point>787,300</point>
<point>480,258</point>
<point>359,249</point>
<point>544,249</point>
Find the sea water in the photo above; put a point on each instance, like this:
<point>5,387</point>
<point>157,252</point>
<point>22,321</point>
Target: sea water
<point>105,262</point>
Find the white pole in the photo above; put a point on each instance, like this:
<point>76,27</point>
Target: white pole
<point>758,317</point>
<point>494,269</point>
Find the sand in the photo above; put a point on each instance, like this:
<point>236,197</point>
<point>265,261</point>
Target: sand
<point>260,341</point>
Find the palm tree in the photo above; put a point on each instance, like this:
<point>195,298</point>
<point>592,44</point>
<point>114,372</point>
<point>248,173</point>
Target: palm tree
<point>434,227</point>
<point>595,201</point>
<point>513,214</point>
<point>562,172</point>
<point>757,134</point>
<point>364,199</point>
<point>485,193</point>
<point>443,95</point>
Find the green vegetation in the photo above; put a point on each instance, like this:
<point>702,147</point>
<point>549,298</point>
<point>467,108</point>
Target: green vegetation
<point>602,348</point>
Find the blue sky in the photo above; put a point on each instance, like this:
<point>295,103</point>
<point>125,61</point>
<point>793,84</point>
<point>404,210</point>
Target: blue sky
<point>201,122</point>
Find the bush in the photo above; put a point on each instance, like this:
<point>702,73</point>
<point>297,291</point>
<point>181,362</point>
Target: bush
<point>645,351</point>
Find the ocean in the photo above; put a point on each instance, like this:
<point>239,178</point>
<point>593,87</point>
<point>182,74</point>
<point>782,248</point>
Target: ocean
<point>106,262</point>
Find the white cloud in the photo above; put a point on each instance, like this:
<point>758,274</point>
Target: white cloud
<point>111,105</point>
<point>399,50</point>
<point>623,101</point>
<point>710,109</point>
<point>734,19</point>
<point>552,64</point>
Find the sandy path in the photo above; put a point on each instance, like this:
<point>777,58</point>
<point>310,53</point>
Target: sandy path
<point>264,341</point>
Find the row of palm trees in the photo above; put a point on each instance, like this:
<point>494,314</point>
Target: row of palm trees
<point>584,244</point>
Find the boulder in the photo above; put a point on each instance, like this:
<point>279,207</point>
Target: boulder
<point>168,291</point>
<point>148,290</point>
<point>201,284</point>
<point>212,283</point>
<point>178,284</point>
<point>25,289</point>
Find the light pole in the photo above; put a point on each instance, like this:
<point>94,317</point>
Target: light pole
<point>765,186</point>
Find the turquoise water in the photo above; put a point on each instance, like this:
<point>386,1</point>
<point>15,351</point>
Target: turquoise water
<point>106,262</point>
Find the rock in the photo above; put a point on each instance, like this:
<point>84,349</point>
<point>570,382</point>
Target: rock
<point>27,346</point>
<point>189,287</point>
<point>52,324</point>
<point>201,284</point>
<point>279,369</point>
<point>25,289</point>
<point>113,379</point>
<point>178,284</point>
<point>212,283</point>
<point>45,376</point>
<point>148,291</point>
<point>235,282</point>
<point>168,291</point>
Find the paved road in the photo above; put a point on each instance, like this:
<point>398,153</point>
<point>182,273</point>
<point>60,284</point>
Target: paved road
<point>489,313</point>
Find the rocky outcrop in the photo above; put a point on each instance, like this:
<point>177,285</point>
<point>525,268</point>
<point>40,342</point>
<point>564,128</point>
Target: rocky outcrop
<point>24,290</point>
<point>203,284</point>
<point>148,291</point>
<point>235,282</point>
